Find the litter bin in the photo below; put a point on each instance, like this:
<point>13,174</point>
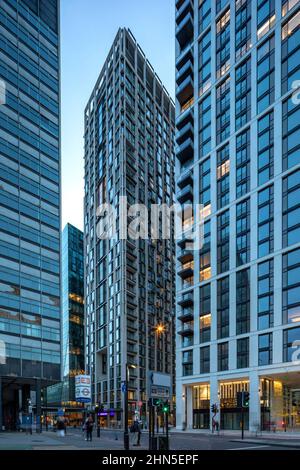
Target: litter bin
<point>163,443</point>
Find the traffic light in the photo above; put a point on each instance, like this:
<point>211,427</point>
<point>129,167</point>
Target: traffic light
<point>243,399</point>
<point>166,407</point>
<point>156,402</point>
<point>246,398</point>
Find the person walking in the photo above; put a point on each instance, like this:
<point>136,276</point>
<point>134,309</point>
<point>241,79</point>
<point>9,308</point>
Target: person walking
<point>137,432</point>
<point>89,425</point>
<point>61,427</point>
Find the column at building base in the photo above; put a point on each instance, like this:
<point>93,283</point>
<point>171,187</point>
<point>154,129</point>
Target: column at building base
<point>214,399</point>
<point>254,403</point>
<point>180,407</point>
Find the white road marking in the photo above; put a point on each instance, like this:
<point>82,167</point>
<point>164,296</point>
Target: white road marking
<point>247,448</point>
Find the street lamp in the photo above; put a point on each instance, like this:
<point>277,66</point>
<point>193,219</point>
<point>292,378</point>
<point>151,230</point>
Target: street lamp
<point>126,434</point>
<point>160,329</point>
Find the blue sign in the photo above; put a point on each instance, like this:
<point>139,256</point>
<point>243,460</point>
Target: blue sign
<point>123,387</point>
<point>60,412</point>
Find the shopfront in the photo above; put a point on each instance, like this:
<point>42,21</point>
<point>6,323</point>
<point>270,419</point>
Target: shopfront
<point>201,404</point>
<point>231,415</point>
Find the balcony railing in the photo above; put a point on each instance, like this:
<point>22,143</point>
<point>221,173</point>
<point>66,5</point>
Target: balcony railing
<point>185,55</point>
<point>186,299</point>
<point>187,329</point>
<point>185,151</point>
<point>185,255</point>
<point>186,194</point>
<point>185,90</point>
<point>185,30</point>
<point>185,7</point>
<point>185,132</point>
<point>185,117</point>
<point>186,177</point>
<point>185,71</point>
<point>186,314</point>
<point>187,270</point>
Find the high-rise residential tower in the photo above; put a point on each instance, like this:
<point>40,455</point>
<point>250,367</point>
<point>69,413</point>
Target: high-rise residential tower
<point>29,205</point>
<point>238,154</point>
<point>129,283</point>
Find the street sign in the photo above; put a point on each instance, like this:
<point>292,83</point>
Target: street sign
<point>123,387</point>
<point>60,412</point>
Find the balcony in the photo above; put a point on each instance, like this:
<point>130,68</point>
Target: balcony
<point>178,4</point>
<point>185,7</point>
<point>186,315</point>
<point>185,90</point>
<point>187,329</point>
<point>184,56</point>
<point>185,178</point>
<point>185,151</point>
<point>185,30</point>
<point>185,71</point>
<point>185,255</point>
<point>131,265</point>
<point>184,118</point>
<point>186,300</point>
<point>184,133</point>
<point>187,270</point>
<point>131,253</point>
<point>186,194</point>
<point>131,299</point>
<point>132,325</point>
<point>185,238</point>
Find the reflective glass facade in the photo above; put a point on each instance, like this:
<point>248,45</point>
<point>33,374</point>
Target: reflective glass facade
<point>73,309</point>
<point>29,196</point>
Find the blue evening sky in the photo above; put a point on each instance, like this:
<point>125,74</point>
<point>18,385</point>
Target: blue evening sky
<point>88,28</point>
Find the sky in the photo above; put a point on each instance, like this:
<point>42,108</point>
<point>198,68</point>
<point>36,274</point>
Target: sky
<point>88,28</point>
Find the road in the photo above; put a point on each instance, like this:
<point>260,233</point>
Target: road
<point>111,440</point>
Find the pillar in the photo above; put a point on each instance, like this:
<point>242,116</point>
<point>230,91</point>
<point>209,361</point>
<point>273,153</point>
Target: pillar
<point>38,406</point>
<point>1,406</point>
<point>214,398</point>
<point>254,402</point>
<point>189,407</point>
<point>180,406</point>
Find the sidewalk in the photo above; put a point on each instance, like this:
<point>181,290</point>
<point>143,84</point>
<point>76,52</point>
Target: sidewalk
<point>275,443</point>
<point>295,435</point>
<point>73,440</point>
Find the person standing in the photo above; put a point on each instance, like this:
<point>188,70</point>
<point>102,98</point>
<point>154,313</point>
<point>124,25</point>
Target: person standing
<point>137,431</point>
<point>89,425</point>
<point>61,427</point>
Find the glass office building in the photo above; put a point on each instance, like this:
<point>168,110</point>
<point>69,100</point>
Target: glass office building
<point>72,310</point>
<point>129,283</point>
<point>238,152</point>
<point>29,205</point>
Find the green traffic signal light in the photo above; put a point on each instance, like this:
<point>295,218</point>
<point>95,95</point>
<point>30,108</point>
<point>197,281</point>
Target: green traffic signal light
<point>166,407</point>
<point>246,397</point>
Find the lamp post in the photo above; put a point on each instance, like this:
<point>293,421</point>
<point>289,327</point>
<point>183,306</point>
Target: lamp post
<point>126,434</point>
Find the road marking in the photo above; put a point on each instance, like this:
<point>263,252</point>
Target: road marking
<point>247,448</point>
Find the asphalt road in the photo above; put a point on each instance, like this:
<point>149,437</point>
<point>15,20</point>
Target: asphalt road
<point>110,440</point>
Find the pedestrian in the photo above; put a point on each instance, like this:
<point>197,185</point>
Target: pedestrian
<point>137,432</point>
<point>66,424</point>
<point>89,425</point>
<point>61,427</point>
